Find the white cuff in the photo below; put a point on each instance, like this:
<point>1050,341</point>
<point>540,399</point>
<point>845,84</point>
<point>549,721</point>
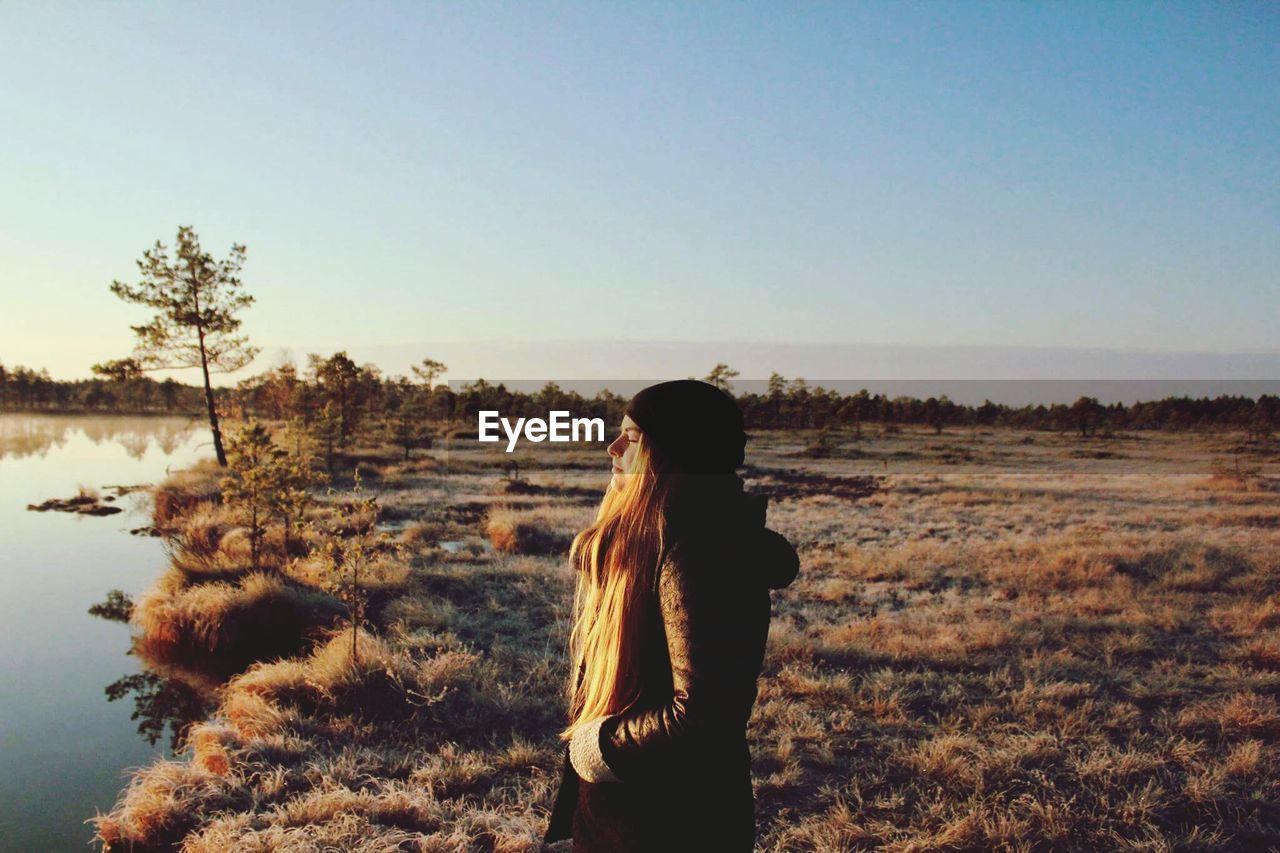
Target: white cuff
<point>585,755</point>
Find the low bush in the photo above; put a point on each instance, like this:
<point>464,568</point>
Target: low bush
<point>255,617</point>
<point>524,532</point>
<point>183,490</point>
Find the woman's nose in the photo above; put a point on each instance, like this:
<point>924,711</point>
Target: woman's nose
<point>617,448</point>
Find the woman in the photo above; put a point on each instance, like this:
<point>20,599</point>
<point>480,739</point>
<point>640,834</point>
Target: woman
<point>671,615</point>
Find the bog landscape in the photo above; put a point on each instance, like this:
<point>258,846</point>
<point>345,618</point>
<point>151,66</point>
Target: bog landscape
<point>1001,636</point>
<point>287,513</point>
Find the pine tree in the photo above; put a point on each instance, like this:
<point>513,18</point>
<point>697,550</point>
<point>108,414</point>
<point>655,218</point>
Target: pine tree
<point>409,428</point>
<point>349,547</point>
<point>295,475</point>
<point>196,301</point>
<point>253,482</point>
<point>326,431</point>
<point>720,376</point>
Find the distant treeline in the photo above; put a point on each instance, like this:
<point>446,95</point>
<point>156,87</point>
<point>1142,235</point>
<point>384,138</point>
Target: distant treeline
<point>793,404</point>
<point>22,388</point>
<point>358,399</point>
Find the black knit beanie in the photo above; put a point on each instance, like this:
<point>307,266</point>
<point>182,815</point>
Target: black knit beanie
<point>695,423</point>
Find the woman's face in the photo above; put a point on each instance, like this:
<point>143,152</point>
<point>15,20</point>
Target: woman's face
<point>623,452</point>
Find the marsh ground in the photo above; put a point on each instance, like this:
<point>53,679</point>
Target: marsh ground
<point>998,639</point>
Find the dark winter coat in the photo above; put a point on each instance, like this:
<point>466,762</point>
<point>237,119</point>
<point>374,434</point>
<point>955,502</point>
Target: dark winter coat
<point>680,755</point>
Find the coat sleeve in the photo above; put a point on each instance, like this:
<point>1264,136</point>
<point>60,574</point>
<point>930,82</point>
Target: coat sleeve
<point>705,616</point>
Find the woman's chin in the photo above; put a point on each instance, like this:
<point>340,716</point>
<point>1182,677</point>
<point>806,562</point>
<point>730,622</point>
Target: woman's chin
<point>617,481</point>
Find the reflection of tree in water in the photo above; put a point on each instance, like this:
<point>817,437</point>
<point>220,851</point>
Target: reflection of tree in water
<point>170,440</point>
<point>117,607</point>
<point>170,690</point>
<point>135,434</point>
<point>23,435</point>
<point>135,444</point>
<point>160,701</point>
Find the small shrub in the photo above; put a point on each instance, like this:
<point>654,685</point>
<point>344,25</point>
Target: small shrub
<point>823,446</point>
<point>354,559</point>
<point>514,532</point>
<point>256,617</point>
<point>183,490</point>
<point>1231,475</point>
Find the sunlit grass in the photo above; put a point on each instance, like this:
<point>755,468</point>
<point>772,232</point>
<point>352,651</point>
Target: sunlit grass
<point>1010,644</point>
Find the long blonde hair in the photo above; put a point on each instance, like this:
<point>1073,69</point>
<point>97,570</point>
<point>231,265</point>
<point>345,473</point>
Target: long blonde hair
<point>617,559</point>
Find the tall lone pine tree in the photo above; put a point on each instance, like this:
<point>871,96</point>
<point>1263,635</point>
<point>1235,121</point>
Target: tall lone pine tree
<point>196,301</point>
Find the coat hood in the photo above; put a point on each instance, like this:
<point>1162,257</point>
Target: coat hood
<point>733,520</point>
<point>773,559</point>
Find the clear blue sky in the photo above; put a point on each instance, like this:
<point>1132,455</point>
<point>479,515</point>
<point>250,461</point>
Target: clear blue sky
<point>1022,174</point>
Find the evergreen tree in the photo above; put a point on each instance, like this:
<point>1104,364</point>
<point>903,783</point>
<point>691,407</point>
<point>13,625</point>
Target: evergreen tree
<point>326,431</point>
<point>196,301</point>
<point>295,476</point>
<point>348,548</point>
<point>720,376</point>
<point>254,482</point>
<point>409,428</point>
<point>340,382</point>
<point>428,372</point>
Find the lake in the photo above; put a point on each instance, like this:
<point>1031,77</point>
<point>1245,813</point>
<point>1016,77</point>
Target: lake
<point>64,746</point>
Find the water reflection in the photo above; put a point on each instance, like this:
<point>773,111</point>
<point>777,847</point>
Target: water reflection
<point>24,435</point>
<point>166,694</point>
<point>62,744</point>
<point>117,607</point>
<point>169,692</point>
<point>161,702</point>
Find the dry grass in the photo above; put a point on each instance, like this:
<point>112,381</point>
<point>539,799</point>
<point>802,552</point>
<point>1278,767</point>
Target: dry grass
<point>1014,641</point>
<point>541,530</point>
<point>213,601</point>
<point>183,490</point>
<point>255,615</point>
<point>422,742</point>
